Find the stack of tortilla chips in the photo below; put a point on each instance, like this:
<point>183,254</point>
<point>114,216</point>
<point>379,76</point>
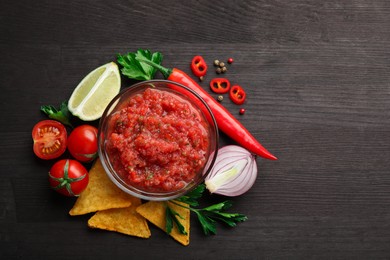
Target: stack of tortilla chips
<point>121,212</point>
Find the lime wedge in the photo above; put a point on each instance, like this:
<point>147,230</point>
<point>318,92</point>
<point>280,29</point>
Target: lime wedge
<point>92,95</point>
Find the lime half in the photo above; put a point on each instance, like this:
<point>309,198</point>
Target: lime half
<point>92,95</point>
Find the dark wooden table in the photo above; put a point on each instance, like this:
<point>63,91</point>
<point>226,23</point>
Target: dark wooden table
<point>317,74</point>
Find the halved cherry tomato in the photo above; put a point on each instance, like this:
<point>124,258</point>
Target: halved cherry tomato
<point>198,66</point>
<point>68,177</point>
<point>83,143</point>
<point>49,139</point>
<point>220,85</point>
<point>237,94</point>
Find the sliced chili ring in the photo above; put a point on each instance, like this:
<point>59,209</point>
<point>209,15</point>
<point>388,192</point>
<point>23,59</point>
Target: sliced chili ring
<point>220,85</point>
<point>198,66</point>
<point>237,94</point>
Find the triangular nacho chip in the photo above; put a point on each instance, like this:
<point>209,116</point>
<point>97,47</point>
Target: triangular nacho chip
<point>154,211</point>
<point>122,220</point>
<point>100,194</point>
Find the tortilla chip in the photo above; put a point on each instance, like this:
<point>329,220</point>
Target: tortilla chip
<point>154,211</point>
<point>122,220</point>
<point>100,194</point>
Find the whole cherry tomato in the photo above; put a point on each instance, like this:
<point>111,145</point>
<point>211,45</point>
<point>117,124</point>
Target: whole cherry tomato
<point>49,139</point>
<point>68,177</point>
<point>83,143</point>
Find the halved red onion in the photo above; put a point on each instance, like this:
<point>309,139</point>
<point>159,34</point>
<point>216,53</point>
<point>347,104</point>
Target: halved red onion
<point>234,171</point>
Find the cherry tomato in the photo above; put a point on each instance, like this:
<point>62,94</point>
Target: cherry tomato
<point>68,177</point>
<point>49,139</point>
<point>83,143</point>
<point>237,94</point>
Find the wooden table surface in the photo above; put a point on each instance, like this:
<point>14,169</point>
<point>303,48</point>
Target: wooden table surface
<point>317,76</point>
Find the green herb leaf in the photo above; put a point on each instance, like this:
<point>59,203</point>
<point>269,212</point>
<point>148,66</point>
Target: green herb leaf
<point>62,114</point>
<point>230,218</point>
<point>137,70</point>
<point>169,221</point>
<point>155,58</point>
<point>214,212</point>
<point>209,215</point>
<point>192,197</point>
<point>220,206</point>
<point>172,217</point>
<point>208,225</point>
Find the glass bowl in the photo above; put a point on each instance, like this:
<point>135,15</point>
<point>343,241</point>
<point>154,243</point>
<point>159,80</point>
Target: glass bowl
<point>157,140</point>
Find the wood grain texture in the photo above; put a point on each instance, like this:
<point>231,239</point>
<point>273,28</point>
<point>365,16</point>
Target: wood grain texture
<point>317,75</point>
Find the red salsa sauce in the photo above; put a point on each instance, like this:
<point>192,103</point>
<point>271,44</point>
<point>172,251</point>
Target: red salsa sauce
<point>158,141</point>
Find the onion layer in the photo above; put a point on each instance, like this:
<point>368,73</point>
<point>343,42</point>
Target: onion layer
<point>234,172</point>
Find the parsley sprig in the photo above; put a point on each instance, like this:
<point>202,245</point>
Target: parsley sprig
<point>137,70</point>
<point>62,114</point>
<point>207,216</point>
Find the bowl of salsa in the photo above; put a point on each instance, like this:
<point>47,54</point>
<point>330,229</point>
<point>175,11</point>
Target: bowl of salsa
<point>157,140</point>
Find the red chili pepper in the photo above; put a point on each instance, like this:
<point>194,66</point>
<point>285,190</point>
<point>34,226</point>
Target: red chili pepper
<point>198,66</point>
<point>237,94</point>
<point>227,123</point>
<point>220,85</point>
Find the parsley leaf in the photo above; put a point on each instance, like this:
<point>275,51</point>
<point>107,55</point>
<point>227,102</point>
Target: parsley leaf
<point>137,70</point>
<point>191,197</point>
<point>207,216</point>
<point>208,224</point>
<point>171,217</point>
<point>214,212</point>
<point>62,114</point>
